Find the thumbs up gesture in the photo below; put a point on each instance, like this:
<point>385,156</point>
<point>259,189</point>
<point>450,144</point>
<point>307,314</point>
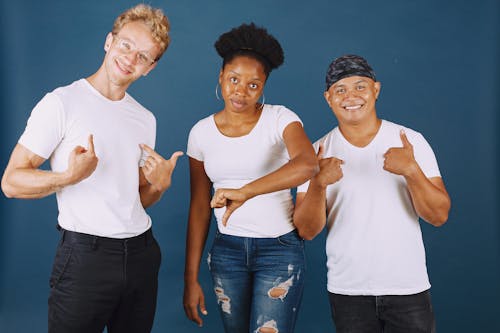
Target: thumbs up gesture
<point>82,162</point>
<point>330,170</point>
<point>157,170</point>
<point>400,161</point>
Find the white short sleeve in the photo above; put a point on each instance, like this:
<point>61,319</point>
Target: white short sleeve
<point>424,155</point>
<point>45,127</point>
<point>285,117</point>
<point>193,147</point>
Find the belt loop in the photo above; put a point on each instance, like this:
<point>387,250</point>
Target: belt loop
<point>63,232</point>
<point>94,243</point>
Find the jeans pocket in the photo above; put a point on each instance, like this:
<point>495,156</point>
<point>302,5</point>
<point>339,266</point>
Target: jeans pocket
<point>291,239</point>
<point>61,261</point>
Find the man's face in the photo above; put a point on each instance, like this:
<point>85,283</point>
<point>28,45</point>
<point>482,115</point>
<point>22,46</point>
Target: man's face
<point>130,53</point>
<point>353,99</point>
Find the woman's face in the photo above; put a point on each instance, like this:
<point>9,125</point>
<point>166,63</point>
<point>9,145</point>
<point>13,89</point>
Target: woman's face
<point>242,82</point>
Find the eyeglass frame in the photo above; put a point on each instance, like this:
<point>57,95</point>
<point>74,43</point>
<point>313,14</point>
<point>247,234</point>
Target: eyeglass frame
<point>132,49</point>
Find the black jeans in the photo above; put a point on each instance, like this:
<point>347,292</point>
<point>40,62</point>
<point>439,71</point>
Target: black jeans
<point>99,282</point>
<point>389,314</point>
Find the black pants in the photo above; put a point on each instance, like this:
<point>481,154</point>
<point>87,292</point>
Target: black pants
<point>99,282</point>
<point>377,314</point>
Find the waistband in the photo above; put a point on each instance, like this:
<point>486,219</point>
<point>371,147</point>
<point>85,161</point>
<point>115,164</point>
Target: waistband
<point>140,241</point>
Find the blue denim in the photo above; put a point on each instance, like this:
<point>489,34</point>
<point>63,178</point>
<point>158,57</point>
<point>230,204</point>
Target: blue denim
<point>258,282</point>
<point>388,314</point>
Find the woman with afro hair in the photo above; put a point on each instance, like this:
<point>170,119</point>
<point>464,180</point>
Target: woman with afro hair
<point>251,153</point>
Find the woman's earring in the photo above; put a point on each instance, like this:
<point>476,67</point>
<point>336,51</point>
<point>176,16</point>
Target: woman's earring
<point>217,92</point>
<point>263,101</point>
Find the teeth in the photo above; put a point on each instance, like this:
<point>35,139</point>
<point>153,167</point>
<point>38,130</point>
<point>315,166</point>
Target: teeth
<point>355,107</point>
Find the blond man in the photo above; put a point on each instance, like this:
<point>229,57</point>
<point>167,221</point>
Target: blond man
<point>104,172</point>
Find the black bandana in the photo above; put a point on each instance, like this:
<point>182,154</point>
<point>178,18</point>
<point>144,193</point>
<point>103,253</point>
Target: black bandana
<point>346,66</point>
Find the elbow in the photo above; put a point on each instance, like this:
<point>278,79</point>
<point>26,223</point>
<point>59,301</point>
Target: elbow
<point>306,235</point>
<point>440,219</point>
<point>7,189</point>
<point>308,230</point>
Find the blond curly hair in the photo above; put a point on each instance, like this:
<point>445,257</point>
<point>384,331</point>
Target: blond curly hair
<point>155,20</point>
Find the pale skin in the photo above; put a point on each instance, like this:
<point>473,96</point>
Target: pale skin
<point>242,82</point>
<point>352,100</point>
<point>23,178</point>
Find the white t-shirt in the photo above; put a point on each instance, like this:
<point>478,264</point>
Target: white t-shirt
<point>107,203</point>
<point>232,162</point>
<point>374,244</point>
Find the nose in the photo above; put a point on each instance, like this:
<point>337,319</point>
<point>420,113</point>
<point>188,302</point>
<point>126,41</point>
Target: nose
<point>131,57</point>
<point>240,89</point>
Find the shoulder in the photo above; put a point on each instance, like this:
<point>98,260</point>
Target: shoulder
<point>327,139</point>
<point>279,111</point>
<point>203,125</point>
<point>392,129</point>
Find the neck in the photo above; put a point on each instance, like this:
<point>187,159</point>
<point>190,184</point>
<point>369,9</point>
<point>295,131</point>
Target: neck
<point>361,134</point>
<point>241,117</point>
<point>101,82</point>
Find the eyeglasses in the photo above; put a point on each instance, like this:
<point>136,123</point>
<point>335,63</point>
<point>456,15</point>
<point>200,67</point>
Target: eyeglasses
<point>127,46</point>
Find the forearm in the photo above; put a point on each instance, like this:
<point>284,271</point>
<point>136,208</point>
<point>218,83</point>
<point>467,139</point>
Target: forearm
<point>149,195</point>
<point>431,202</point>
<point>28,183</point>
<point>197,231</point>
<point>290,175</point>
<point>310,213</point>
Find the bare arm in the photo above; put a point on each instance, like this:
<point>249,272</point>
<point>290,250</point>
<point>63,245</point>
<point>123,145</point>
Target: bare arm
<point>429,195</point>
<point>23,178</point>
<point>310,208</point>
<point>198,226</point>
<point>301,167</point>
<point>155,177</point>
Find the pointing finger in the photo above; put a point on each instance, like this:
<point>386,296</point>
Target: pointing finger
<point>149,150</point>
<point>320,151</point>
<point>91,144</point>
<point>228,213</point>
<point>175,156</point>
<point>404,139</point>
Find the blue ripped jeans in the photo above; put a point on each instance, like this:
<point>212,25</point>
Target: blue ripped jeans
<point>258,282</point>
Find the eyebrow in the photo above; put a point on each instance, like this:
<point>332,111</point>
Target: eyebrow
<point>236,73</point>
<point>343,84</point>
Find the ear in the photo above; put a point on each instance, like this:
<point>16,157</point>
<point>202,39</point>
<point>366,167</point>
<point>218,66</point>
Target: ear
<point>153,65</point>
<point>107,43</point>
<point>326,94</point>
<point>377,85</point>
<point>220,77</point>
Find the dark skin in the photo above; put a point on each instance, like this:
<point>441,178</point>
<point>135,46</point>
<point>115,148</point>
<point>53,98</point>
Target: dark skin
<point>242,81</point>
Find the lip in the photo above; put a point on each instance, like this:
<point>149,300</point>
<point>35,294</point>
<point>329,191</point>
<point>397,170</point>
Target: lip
<point>352,108</point>
<point>122,68</point>
<point>238,104</point>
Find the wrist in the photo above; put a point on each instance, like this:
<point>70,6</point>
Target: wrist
<point>247,191</point>
<point>318,183</point>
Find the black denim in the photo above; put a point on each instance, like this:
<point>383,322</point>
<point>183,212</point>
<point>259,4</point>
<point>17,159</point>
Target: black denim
<point>388,314</point>
<point>99,282</point>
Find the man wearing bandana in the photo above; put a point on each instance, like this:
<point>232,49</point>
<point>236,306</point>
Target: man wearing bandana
<point>376,180</point>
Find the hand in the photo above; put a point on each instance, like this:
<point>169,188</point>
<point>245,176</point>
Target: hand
<point>194,298</point>
<point>400,161</point>
<point>329,169</point>
<point>82,162</point>
<point>229,198</point>
<point>157,170</point>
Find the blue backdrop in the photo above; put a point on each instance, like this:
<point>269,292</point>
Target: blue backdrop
<point>438,62</point>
